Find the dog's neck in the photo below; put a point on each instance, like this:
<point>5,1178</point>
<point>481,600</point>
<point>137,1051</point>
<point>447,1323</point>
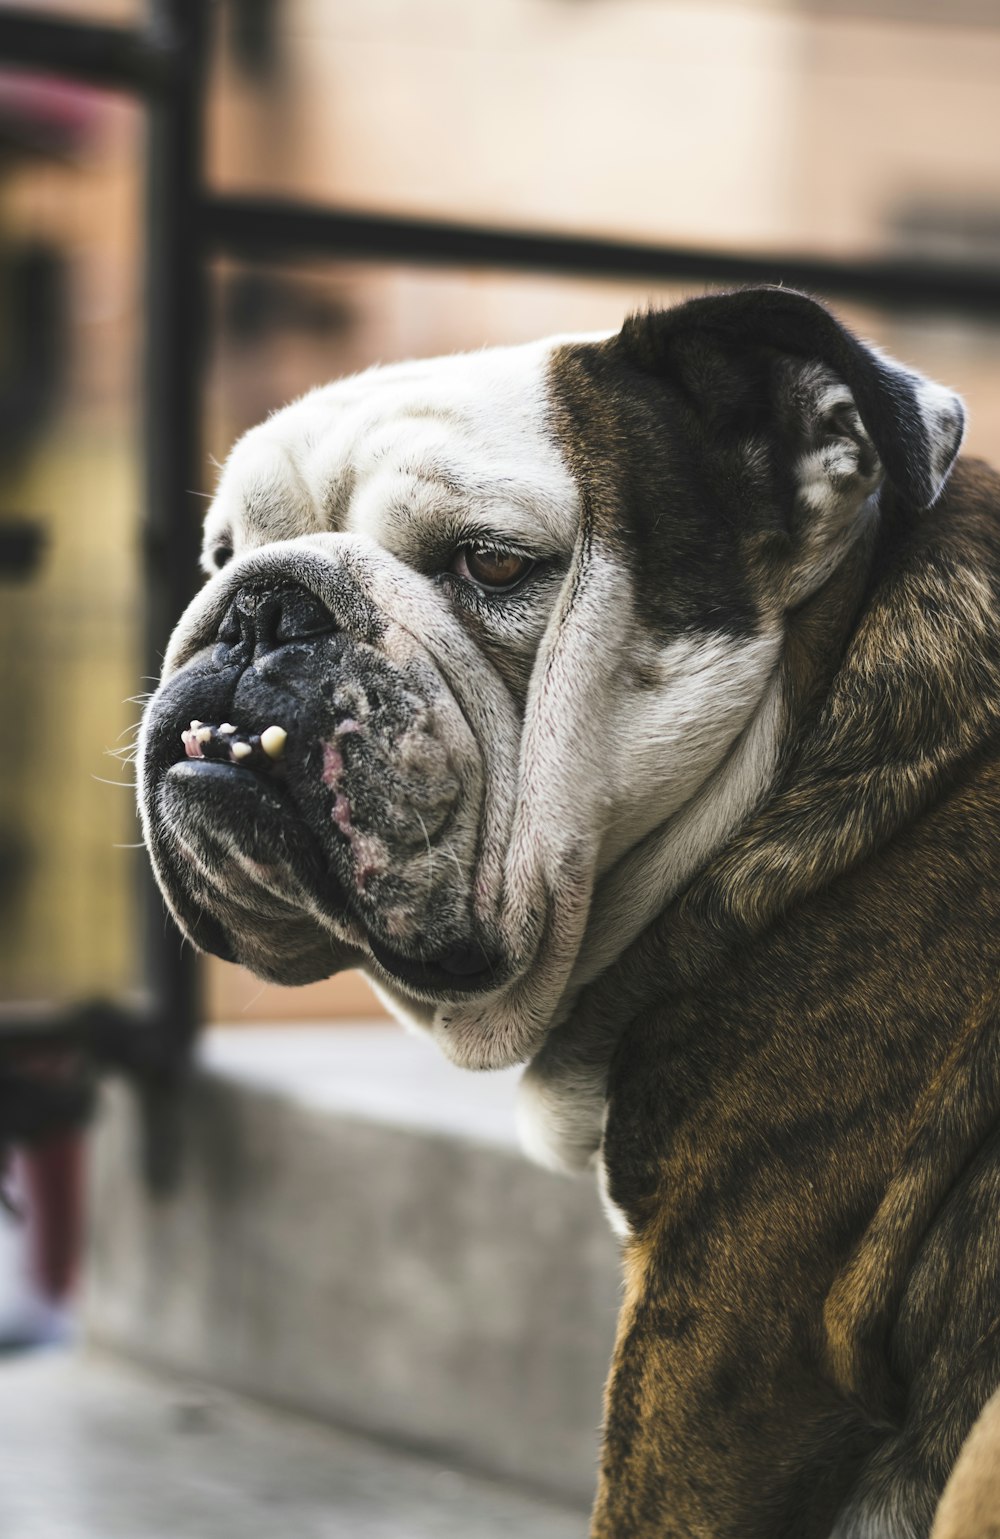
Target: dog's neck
<point>635,891</point>
<point>562,1100</point>
<point>833,798</point>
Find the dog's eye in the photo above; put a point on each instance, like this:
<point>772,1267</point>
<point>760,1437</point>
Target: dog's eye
<point>221,555</point>
<point>491,568</point>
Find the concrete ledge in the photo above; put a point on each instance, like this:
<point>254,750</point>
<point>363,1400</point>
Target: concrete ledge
<point>91,1448</point>
<point>422,1282</point>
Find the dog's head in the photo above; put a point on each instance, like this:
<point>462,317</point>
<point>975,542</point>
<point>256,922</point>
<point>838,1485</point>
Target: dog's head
<point>517,617</point>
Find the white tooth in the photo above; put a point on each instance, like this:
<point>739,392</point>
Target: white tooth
<point>204,734</point>
<point>273,741</point>
<point>241,750</point>
<point>195,725</point>
<point>227,726</point>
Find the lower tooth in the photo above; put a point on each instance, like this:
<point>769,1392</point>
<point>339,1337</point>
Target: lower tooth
<point>241,750</point>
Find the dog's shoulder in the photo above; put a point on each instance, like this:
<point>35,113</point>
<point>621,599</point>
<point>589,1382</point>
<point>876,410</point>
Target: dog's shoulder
<point>800,1113</point>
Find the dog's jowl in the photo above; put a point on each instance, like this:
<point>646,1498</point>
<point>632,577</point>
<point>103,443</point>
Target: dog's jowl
<point>628,707</point>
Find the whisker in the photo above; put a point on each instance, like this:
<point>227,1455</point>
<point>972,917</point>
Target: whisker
<point>448,849</point>
<point>430,855</point>
<point>251,1002</point>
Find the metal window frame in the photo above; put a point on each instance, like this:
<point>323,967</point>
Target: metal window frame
<point>164,66</point>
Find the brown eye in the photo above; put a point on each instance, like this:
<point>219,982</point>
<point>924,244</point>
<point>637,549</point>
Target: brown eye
<point>489,567</point>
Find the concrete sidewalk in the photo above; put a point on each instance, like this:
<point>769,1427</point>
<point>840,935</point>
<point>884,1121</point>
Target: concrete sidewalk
<point>93,1449</point>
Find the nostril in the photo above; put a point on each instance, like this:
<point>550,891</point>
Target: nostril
<point>239,623</point>
<point>300,614</point>
<point>261,621</point>
<point>230,630</point>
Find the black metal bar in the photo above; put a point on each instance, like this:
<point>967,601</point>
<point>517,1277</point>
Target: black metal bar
<point>51,1060</point>
<point>29,1027</point>
<point>119,58</point>
<point>278,229</point>
<point>35,1107</point>
<point>100,1030</point>
<point>175,312</point>
<point>22,546</point>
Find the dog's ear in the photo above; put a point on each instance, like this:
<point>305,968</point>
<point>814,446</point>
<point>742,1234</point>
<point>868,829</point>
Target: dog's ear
<point>724,350</point>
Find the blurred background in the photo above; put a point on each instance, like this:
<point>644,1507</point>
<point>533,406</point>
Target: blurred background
<point>832,129</point>
<point>847,129</point>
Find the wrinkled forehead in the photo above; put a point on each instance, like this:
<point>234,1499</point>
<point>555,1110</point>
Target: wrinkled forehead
<point>407,451</point>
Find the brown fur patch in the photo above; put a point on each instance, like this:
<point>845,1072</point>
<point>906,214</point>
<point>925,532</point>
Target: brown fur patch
<point>801,1110</point>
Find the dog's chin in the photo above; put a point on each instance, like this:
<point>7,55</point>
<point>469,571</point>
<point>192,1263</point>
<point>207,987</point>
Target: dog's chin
<point>242,875</point>
<point>248,883</point>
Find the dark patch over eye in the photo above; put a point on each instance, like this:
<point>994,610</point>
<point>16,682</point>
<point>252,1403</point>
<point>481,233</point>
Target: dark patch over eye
<point>490,567</point>
<point>221,555</point>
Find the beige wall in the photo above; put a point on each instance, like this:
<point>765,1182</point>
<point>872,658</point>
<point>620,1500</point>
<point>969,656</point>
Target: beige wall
<point>889,116</point>
<point>712,121</point>
<point>658,119</point>
<point>234,997</point>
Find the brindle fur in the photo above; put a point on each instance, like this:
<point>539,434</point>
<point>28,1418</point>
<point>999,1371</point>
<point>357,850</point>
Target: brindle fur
<point>802,1110</point>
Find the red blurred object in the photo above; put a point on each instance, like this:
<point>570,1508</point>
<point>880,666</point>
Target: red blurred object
<point>45,115</point>
<point>54,1180</point>
<point>41,1236</point>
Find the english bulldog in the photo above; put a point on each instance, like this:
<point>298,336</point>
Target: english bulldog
<point>627,706</point>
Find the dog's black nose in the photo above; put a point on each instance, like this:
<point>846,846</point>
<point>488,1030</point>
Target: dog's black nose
<point>261,621</point>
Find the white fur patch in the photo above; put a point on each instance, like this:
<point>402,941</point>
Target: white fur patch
<point>943,416</point>
<point>560,1118</point>
<point>396,452</point>
<point>714,736</point>
<point>562,1094</point>
<point>668,738</point>
<point>615,1215</point>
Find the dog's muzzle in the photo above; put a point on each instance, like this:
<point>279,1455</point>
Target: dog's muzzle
<point>312,803</point>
